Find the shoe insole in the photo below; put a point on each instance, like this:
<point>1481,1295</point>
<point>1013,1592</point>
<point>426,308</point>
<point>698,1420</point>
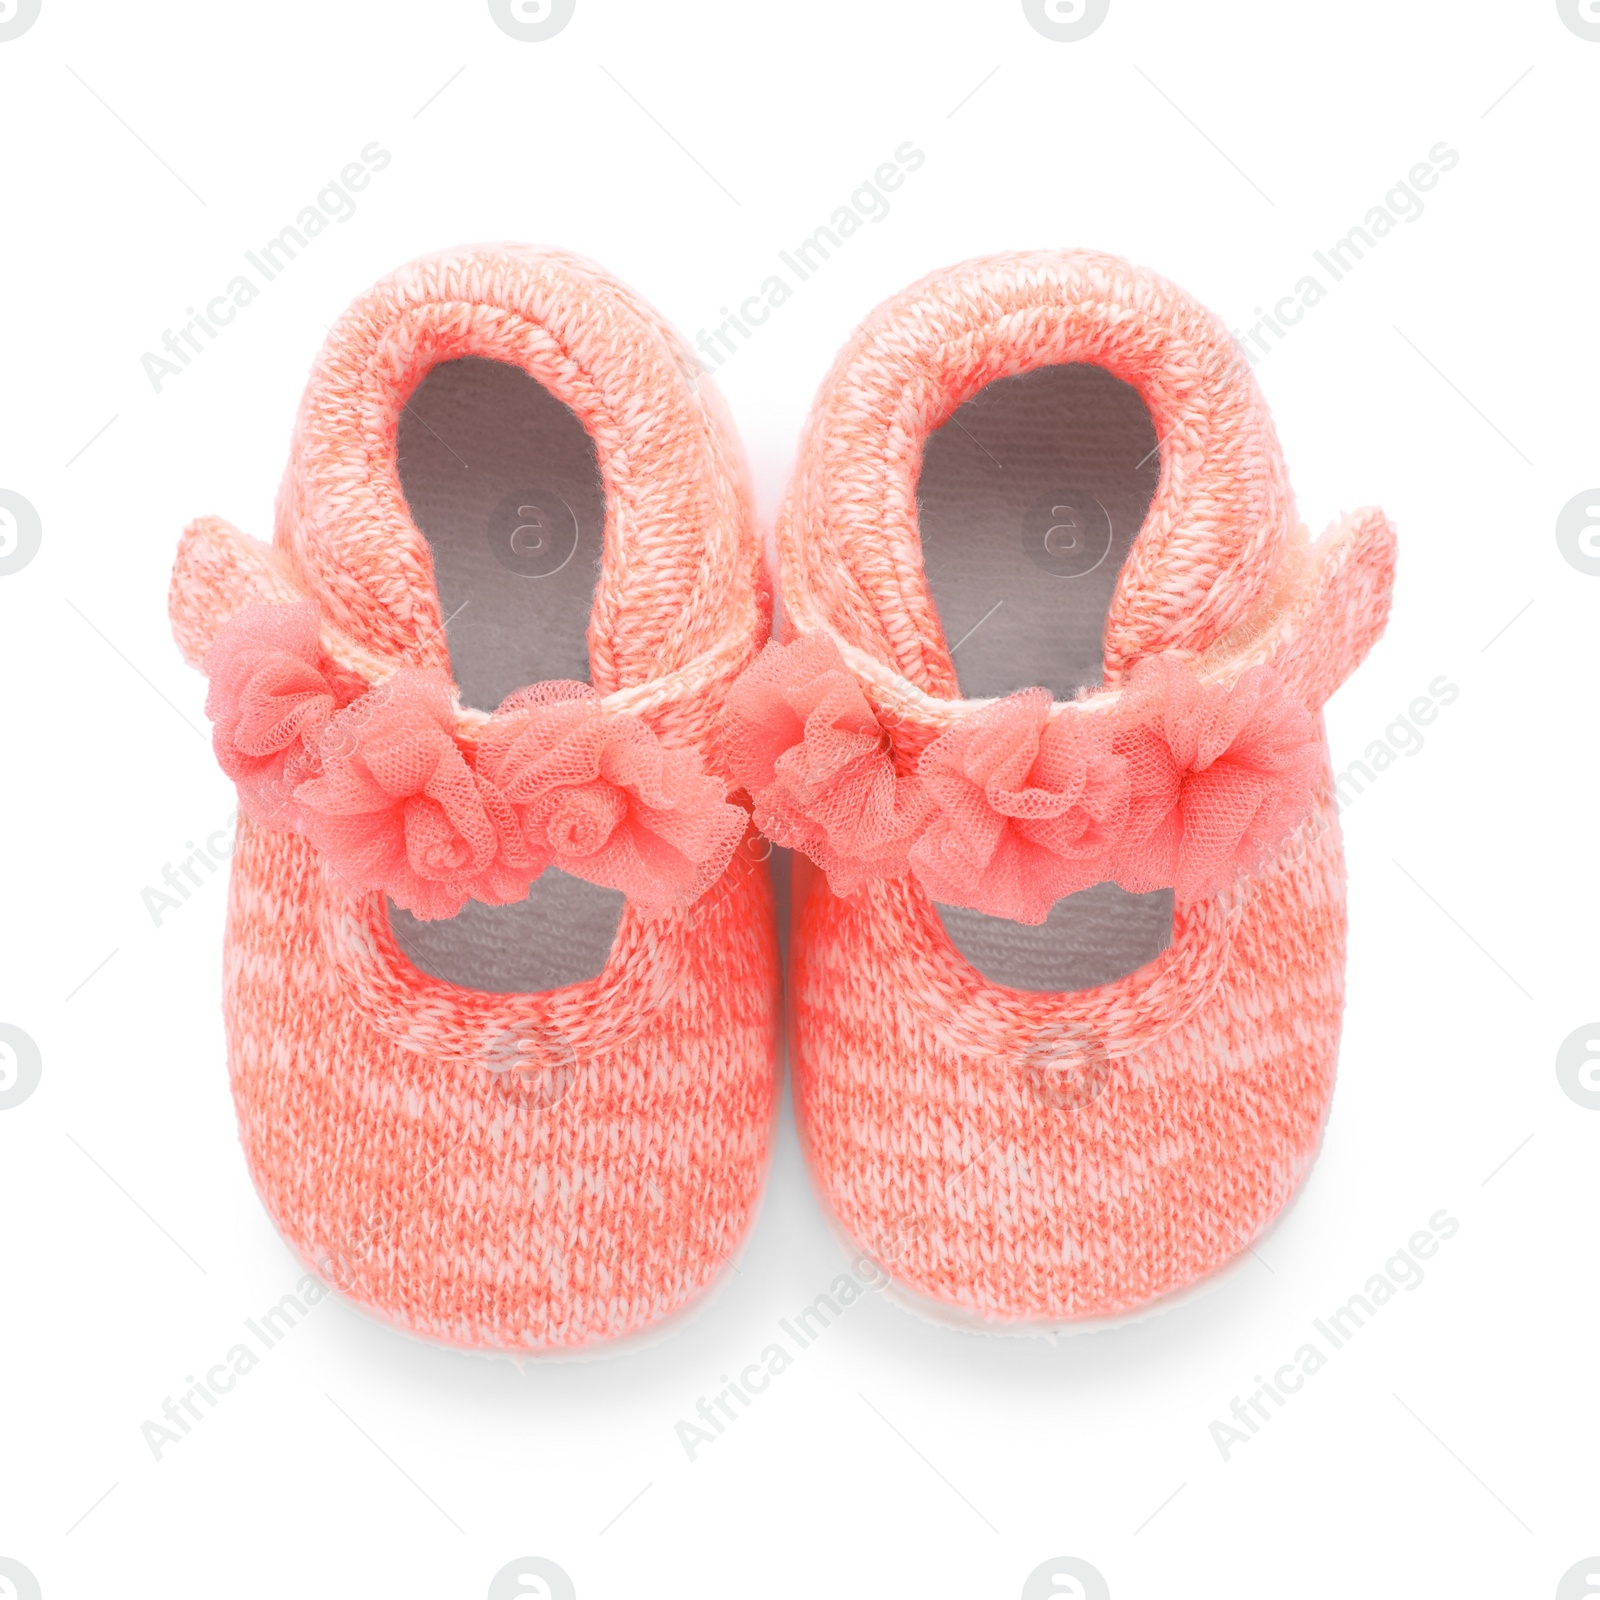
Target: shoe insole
<point>1030,498</point>
<point>502,480</point>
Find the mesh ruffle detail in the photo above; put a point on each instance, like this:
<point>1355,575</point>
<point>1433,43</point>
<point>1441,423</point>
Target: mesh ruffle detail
<point>1178,784</point>
<point>397,798</point>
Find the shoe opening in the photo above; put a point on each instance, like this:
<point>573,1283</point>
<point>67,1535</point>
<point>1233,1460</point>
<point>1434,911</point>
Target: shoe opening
<point>1030,498</point>
<point>503,482</point>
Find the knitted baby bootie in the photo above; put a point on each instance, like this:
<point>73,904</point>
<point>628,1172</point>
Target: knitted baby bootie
<point>500,971</point>
<point>1067,959</point>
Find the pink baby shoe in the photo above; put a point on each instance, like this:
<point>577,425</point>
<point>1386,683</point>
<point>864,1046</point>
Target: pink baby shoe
<point>500,972</point>
<point>1067,955</point>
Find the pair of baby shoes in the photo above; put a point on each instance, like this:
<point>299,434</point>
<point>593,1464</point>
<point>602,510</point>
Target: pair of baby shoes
<point>512,744</point>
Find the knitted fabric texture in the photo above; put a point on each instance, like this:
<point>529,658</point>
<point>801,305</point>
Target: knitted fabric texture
<point>1025,1157</point>
<point>522,1172</point>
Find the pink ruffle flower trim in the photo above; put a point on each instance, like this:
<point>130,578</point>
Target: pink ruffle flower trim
<point>1182,785</point>
<point>804,744</point>
<point>385,784</point>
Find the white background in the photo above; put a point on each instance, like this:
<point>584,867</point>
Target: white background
<point>1449,1448</point>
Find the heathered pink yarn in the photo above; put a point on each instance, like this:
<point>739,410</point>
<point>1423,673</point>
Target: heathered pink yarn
<point>1027,1157</point>
<point>393,1140</point>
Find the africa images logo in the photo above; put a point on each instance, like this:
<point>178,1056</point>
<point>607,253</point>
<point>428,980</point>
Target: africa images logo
<point>16,17</point>
<point>1403,1270</point>
<point>20,532</point>
<point>532,21</point>
<point>1065,21</point>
